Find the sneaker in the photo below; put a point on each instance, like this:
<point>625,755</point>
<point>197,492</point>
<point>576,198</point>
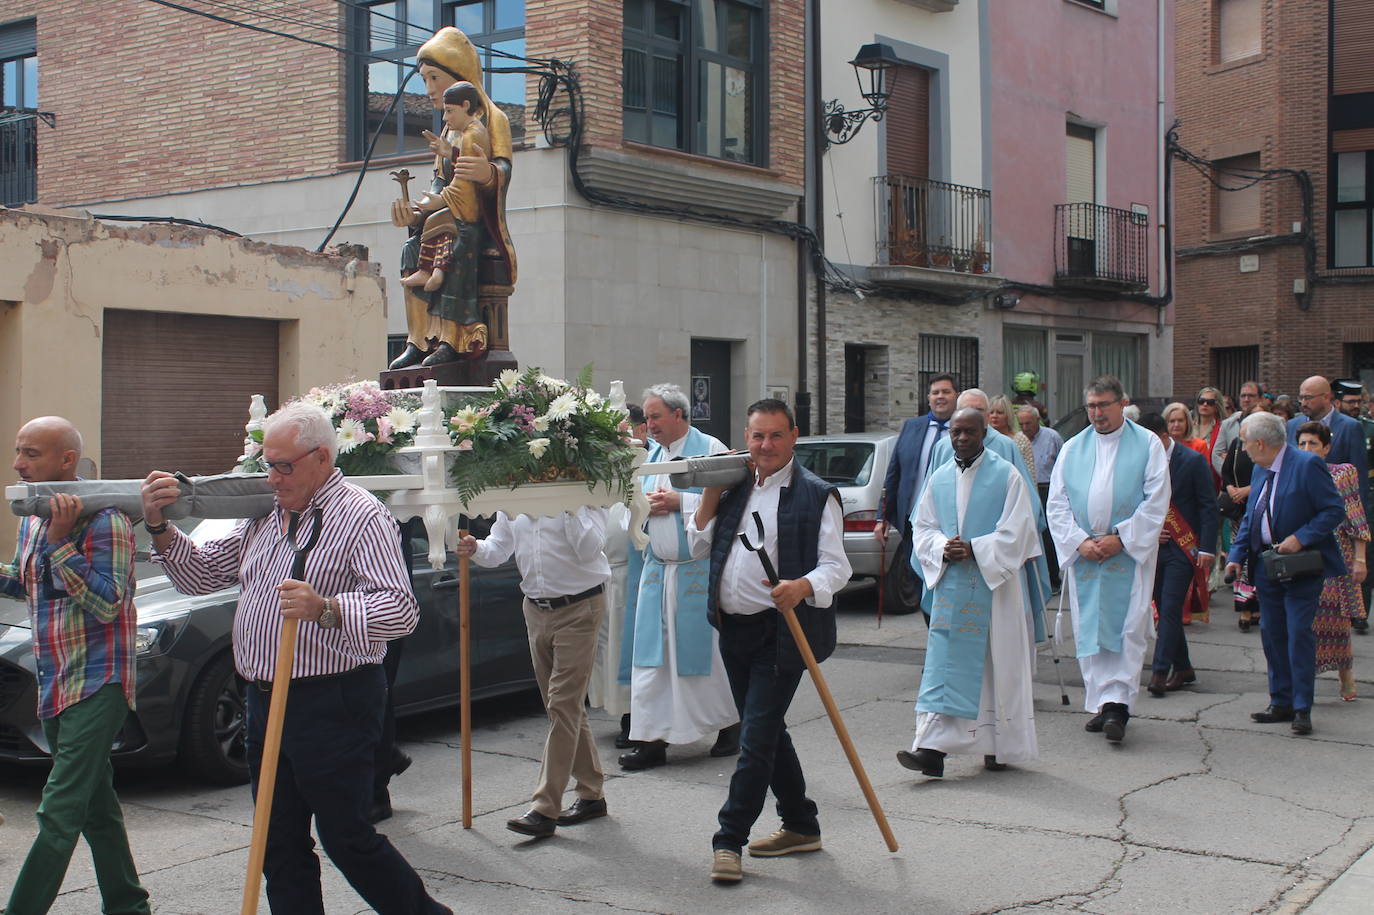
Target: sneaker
<point>725,866</point>
<point>784,842</point>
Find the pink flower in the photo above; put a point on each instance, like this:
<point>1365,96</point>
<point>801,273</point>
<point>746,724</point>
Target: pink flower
<point>384,430</point>
<point>465,445</point>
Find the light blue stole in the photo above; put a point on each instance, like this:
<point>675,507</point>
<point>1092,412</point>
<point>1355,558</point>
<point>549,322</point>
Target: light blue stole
<point>1036,574</point>
<point>961,612</point>
<point>642,633</point>
<point>1104,588</point>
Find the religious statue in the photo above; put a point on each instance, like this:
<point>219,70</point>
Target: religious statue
<point>446,324</point>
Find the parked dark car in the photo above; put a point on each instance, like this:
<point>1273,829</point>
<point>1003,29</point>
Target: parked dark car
<point>190,701</point>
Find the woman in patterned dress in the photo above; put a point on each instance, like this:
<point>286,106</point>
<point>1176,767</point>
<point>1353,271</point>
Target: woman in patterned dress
<point>1340,599</point>
<point>1002,417</point>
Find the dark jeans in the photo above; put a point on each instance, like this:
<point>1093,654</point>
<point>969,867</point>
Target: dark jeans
<point>1173,574</point>
<point>1051,557</point>
<point>767,759</point>
<point>1290,646</point>
<point>328,745</point>
<point>385,759</point>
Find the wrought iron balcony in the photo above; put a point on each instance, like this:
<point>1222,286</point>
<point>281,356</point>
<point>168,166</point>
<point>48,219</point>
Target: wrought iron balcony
<point>1101,247</point>
<point>18,158</point>
<point>934,224</point>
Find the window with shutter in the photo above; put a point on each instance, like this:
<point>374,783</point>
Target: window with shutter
<point>908,123</point>
<point>1238,210</point>
<point>1240,29</point>
<point>1080,158</point>
<point>1352,46</point>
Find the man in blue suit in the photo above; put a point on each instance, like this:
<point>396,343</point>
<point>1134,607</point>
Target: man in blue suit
<point>1347,435</point>
<point>1189,529</point>
<point>1294,506</point>
<point>907,469</point>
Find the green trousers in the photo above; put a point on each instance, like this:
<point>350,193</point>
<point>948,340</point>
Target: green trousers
<point>79,799</point>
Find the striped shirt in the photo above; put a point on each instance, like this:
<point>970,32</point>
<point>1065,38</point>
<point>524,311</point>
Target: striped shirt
<point>80,594</point>
<point>357,560</point>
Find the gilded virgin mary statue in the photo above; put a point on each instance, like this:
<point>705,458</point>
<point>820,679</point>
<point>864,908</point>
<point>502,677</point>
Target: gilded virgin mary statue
<point>446,324</point>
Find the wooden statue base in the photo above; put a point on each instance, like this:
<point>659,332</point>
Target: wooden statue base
<point>466,373</point>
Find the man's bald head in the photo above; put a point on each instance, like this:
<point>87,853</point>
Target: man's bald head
<point>975,399</point>
<point>1314,397</point>
<point>47,450</point>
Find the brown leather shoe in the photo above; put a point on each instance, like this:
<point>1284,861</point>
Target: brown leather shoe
<point>1179,679</point>
<point>1157,685</point>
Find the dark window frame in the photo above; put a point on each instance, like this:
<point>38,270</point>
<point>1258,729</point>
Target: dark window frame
<point>1367,205</point>
<point>422,13</point>
<point>693,60</point>
<point>955,354</point>
<point>19,137</point>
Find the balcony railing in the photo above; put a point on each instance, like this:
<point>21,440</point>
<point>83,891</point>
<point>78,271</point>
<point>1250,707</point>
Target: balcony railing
<point>925,223</point>
<point>1101,246</point>
<point>18,159</point>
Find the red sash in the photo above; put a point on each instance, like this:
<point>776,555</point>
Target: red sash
<point>1198,598</point>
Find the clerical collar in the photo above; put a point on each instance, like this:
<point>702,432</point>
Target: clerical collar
<point>965,465</point>
<point>1115,433</point>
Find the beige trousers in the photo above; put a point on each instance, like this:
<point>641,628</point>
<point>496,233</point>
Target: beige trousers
<point>563,647</point>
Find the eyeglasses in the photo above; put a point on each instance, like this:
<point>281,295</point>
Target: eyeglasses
<point>286,468</point>
<point>1100,405</point>
<point>1209,401</point>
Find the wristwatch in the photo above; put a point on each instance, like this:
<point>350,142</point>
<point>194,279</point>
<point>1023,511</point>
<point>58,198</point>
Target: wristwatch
<point>329,616</point>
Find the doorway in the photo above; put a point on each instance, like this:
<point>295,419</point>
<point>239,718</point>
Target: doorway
<point>709,391</point>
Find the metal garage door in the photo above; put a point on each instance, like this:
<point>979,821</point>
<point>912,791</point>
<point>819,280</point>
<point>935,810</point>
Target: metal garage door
<point>176,389</point>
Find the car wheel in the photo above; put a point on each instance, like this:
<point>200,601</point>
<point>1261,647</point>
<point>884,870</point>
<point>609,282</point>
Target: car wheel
<point>212,740</point>
<point>902,589</point>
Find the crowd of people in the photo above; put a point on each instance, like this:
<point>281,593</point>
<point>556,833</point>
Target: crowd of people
<point>1133,522</point>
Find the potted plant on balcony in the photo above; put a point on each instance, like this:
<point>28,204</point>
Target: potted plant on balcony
<point>940,257</point>
<point>982,261</point>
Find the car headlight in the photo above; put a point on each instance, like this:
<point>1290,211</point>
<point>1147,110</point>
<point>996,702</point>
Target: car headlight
<point>153,639</point>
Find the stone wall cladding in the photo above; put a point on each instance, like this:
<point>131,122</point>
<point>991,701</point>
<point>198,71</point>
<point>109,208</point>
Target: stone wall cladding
<point>1275,104</point>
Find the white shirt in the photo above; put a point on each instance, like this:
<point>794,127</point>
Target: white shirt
<point>1266,533</point>
<point>742,587</point>
<point>663,529</point>
<point>933,434</point>
<point>557,557</point>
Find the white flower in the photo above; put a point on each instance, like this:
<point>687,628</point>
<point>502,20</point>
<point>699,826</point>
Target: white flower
<point>540,423</point>
<point>562,406</point>
<point>351,435</point>
<point>401,420</point>
<point>507,379</point>
<point>538,446</point>
<point>465,419</point>
<point>549,381</point>
<point>592,399</point>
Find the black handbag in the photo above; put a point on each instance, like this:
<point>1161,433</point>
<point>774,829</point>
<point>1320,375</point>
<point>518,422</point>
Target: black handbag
<point>1230,509</point>
<point>1286,567</point>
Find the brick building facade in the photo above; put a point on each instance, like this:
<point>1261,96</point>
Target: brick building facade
<point>1284,86</point>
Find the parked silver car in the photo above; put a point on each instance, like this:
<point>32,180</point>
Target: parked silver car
<point>856,462</point>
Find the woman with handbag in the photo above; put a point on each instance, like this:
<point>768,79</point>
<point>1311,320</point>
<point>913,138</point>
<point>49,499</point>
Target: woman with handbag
<point>1236,471</point>
<point>1340,599</point>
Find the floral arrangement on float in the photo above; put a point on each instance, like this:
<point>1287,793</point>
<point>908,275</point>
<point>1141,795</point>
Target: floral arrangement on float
<point>533,428</point>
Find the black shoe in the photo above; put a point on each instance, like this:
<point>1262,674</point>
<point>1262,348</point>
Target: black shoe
<point>992,765</point>
<point>534,824</point>
<point>411,355</point>
<point>727,741</point>
<point>1273,714</point>
<point>1244,623</point>
<point>622,740</point>
<point>442,353</point>
<point>1302,721</point>
<point>1114,718</point>
<point>925,761</point>
<point>399,762</point>
<point>1094,724</point>
<point>648,754</point>
<point>381,808</point>
<point>581,811</point>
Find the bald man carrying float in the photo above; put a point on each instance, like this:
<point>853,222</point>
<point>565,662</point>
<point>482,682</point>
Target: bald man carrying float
<point>77,575</point>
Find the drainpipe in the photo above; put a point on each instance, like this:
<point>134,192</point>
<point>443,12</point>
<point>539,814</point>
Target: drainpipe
<point>1162,172</point>
<point>818,210</point>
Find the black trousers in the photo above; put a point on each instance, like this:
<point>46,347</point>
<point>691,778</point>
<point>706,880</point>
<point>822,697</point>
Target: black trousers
<point>1051,557</point>
<point>329,741</point>
<point>1173,574</point>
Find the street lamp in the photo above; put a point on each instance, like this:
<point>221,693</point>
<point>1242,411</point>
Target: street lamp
<point>840,126</point>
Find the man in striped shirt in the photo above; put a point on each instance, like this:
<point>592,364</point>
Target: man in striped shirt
<point>77,575</point>
<point>355,598</point>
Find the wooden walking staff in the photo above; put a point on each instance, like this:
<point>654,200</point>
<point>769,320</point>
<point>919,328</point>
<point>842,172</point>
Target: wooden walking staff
<point>276,716</point>
<point>465,677</point>
<point>826,699</point>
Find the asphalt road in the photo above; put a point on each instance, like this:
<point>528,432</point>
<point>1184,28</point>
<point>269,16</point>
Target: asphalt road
<point>1199,810</point>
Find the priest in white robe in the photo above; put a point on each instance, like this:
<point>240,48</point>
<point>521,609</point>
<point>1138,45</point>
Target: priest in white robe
<point>973,531</point>
<point>670,652</point>
<point>1109,493</point>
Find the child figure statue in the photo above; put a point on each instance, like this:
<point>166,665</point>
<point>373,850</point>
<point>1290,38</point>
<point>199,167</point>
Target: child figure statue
<point>452,215</point>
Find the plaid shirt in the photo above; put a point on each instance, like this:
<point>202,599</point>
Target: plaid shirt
<point>81,605</point>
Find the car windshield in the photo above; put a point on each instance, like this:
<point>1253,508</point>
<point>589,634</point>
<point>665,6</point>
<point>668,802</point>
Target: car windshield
<point>841,463</point>
<point>212,529</point>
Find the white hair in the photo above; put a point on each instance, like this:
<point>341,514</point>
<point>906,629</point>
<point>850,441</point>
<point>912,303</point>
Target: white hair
<point>308,424</point>
<point>672,396</point>
<point>1131,412</point>
<point>1265,427</point>
<point>971,393</point>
